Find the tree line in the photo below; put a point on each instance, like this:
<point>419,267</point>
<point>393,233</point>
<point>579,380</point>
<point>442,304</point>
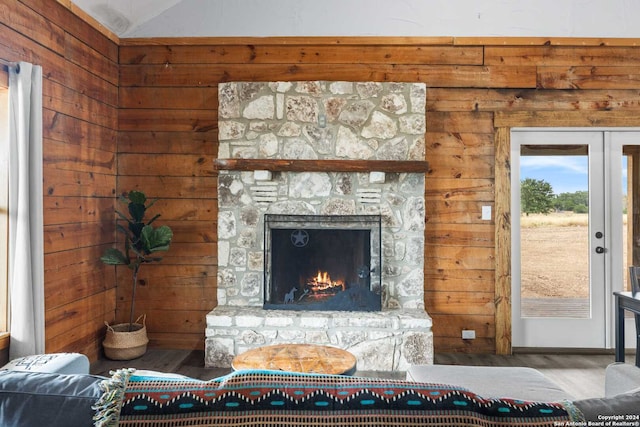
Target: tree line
<point>537,196</point>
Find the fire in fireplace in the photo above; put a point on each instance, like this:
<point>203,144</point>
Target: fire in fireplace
<point>322,262</point>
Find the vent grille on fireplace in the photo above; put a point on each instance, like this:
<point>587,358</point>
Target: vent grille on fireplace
<point>322,262</point>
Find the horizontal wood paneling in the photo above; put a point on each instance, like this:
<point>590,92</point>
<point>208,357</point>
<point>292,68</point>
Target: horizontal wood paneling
<point>72,210</point>
<point>79,183</point>
<point>170,187</point>
<point>198,75</point>
<point>573,56</point>
<point>24,21</point>
<point>467,235</point>
<point>531,100</point>
<point>589,77</point>
<point>168,120</point>
<point>63,237</point>
<point>190,98</point>
<point>169,164</point>
<point>451,325</point>
<point>452,257</point>
<point>459,122</point>
<point>460,189</point>
<point>80,100</point>
<point>76,274</point>
<point>80,28</point>
<point>458,345</point>
<point>80,323</point>
<point>75,104</point>
<point>457,166</point>
<point>189,142</point>
<point>460,280</point>
<point>454,212</point>
<point>567,118</point>
<point>302,54</point>
<point>457,144</point>
<point>61,155</point>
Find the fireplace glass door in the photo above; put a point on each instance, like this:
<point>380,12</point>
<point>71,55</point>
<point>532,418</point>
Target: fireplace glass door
<point>316,262</point>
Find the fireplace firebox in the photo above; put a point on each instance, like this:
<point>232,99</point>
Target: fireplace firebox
<point>322,262</point>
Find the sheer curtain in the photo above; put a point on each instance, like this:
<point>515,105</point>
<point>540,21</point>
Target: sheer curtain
<point>26,252</point>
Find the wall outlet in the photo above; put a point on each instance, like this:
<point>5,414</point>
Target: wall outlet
<point>468,334</point>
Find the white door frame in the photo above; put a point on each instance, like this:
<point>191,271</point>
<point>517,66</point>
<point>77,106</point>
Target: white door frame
<point>615,138</point>
<point>567,332</point>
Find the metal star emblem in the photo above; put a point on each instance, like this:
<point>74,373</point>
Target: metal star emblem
<point>299,238</point>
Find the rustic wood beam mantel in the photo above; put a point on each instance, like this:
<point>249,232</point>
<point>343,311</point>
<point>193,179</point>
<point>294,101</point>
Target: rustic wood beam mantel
<point>283,165</point>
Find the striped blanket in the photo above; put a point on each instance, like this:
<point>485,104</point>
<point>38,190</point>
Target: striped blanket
<point>274,398</point>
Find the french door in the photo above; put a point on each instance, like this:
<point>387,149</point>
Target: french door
<point>566,263</point>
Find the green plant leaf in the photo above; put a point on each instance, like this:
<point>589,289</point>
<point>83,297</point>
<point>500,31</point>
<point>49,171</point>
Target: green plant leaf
<point>137,197</point>
<point>156,239</point>
<point>113,256</point>
<point>136,210</point>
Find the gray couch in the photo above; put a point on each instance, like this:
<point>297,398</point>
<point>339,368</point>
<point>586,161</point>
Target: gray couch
<point>492,381</point>
<point>622,386</point>
<point>52,399</point>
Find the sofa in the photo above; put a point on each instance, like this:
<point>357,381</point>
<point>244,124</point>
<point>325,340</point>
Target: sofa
<point>276,398</point>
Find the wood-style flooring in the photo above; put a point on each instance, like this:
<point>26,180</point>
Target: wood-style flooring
<point>581,375</point>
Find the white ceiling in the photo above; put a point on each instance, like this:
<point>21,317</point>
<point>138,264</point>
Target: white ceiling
<point>121,16</point>
<point>408,18</point>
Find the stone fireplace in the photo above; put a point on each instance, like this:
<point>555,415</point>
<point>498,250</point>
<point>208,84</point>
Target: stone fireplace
<point>293,152</point>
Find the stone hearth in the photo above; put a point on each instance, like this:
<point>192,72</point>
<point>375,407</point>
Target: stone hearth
<point>324,121</point>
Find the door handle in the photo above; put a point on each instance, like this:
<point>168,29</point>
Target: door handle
<point>599,250</point>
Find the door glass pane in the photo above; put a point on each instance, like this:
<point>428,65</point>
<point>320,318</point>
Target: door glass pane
<point>554,200</point>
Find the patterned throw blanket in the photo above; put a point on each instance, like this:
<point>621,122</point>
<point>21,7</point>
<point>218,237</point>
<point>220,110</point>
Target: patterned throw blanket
<point>259,398</point>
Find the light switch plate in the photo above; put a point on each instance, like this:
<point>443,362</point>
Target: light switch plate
<point>486,213</point>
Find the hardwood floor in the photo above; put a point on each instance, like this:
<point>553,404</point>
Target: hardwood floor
<point>581,375</point>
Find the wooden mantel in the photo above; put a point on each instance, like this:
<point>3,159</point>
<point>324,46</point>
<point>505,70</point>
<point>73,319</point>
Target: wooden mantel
<point>283,165</point>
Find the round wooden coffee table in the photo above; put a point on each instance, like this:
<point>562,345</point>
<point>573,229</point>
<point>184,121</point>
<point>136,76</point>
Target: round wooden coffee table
<point>307,358</point>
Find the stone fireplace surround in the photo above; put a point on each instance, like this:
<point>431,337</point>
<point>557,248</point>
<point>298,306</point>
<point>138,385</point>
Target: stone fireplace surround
<point>327,122</point>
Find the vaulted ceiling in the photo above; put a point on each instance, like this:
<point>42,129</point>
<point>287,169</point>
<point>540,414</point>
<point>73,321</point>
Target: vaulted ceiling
<point>121,16</point>
<point>399,18</point>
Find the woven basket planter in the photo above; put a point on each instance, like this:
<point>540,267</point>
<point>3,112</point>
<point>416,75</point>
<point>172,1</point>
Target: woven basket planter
<point>122,344</point>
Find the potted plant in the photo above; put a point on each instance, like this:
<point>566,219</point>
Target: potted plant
<point>142,243</point>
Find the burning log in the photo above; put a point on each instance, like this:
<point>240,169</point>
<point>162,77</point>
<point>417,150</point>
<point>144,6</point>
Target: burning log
<point>322,283</point>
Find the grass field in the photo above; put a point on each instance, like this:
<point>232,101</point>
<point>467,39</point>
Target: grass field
<point>554,255</point>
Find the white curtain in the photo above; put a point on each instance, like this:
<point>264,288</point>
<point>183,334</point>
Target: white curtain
<point>26,252</point>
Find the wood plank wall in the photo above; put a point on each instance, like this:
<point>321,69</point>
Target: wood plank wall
<point>80,88</point>
<point>168,109</point>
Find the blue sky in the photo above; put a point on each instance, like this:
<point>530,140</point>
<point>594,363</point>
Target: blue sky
<point>566,174</point>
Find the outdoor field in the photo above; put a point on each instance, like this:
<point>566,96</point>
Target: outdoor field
<point>554,261</point>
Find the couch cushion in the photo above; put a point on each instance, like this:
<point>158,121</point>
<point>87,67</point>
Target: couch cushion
<point>46,399</point>
<point>493,381</point>
<point>623,407</point>
<point>61,363</point>
<point>620,378</point>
